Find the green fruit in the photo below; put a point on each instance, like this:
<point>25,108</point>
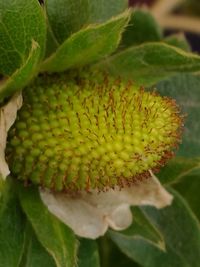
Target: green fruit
<point>90,130</point>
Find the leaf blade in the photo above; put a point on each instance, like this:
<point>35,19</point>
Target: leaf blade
<point>185,89</point>
<point>177,168</point>
<point>21,76</point>
<point>186,228</point>
<point>12,224</point>
<point>69,16</point>
<point>150,63</point>
<point>88,255</point>
<point>55,236</point>
<point>87,45</point>
<point>21,22</point>
<point>188,187</point>
<point>34,253</point>
<point>181,233</point>
<point>142,28</point>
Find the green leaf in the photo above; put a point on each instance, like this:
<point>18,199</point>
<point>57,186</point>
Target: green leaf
<point>142,28</point>
<point>149,63</point>
<point>179,227</point>
<point>55,236</point>
<point>34,253</point>
<point>178,168</point>
<point>188,187</point>
<point>22,75</point>
<point>21,21</point>
<point>87,45</point>
<point>146,253</point>
<point>88,255</point>
<point>141,226</point>
<point>185,88</point>
<point>69,16</point>
<point>179,41</point>
<point>110,254</point>
<point>180,231</point>
<point>183,172</point>
<point>12,224</point>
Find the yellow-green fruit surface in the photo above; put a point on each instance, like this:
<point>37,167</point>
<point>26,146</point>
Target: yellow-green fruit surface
<point>90,130</point>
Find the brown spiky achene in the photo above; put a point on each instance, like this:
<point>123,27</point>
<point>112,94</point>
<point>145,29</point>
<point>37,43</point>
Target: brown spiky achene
<point>90,130</point>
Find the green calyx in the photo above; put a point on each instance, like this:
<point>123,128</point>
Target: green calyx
<point>90,131</point>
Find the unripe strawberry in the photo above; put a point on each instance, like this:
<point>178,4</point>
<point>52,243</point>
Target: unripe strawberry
<point>90,131</point>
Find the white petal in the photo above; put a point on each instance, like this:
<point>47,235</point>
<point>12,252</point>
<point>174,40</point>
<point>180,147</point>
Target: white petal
<point>120,218</point>
<point>8,115</point>
<point>90,214</point>
<point>148,192</point>
<point>84,219</point>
